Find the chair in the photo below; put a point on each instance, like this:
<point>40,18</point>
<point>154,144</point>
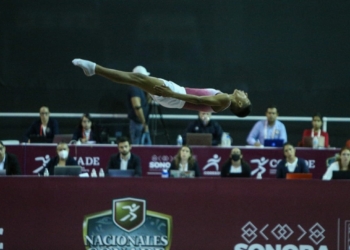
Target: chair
<point>10,142</point>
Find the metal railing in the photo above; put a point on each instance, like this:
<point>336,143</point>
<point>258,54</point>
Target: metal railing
<point>182,117</point>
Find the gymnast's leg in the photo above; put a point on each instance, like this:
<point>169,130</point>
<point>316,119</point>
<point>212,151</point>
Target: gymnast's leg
<point>146,83</point>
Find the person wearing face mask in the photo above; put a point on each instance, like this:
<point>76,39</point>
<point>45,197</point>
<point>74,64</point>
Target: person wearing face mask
<point>235,166</point>
<point>204,124</point>
<point>62,159</point>
<point>184,161</point>
<point>125,159</point>
<point>291,163</point>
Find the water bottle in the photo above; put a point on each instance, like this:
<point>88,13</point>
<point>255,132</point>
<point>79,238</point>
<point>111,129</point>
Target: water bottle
<point>179,140</point>
<point>165,173</point>
<point>101,173</point>
<point>46,172</point>
<point>228,140</point>
<point>93,173</point>
<point>314,142</point>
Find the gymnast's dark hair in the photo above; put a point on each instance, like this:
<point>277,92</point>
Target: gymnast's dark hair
<point>241,111</point>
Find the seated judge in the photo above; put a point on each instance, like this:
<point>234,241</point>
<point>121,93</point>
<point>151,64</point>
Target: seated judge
<point>342,164</point>
<point>316,130</point>
<point>125,159</point>
<point>184,161</point>
<point>291,163</point>
<point>85,132</point>
<point>204,124</point>
<point>235,166</point>
<point>61,159</point>
<point>271,128</point>
<point>8,162</point>
<point>43,127</point>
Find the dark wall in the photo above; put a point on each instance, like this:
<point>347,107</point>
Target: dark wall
<point>294,54</point>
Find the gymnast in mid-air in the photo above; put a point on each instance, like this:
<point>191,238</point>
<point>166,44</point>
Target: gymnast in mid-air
<point>171,95</point>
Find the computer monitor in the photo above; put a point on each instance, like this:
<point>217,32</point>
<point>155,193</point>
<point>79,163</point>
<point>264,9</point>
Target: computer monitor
<point>199,139</point>
<point>273,143</point>
<point>39,139</point>
<point>341,175</point>
<point>67,170</point>
<point>2,172</point>
<point>182,174</point>
<point>62,138</point>
<point>299,176</point>
<point>121,173</point>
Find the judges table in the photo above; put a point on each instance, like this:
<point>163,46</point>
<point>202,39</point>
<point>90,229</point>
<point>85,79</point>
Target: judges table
<point>153,213</point>
<point>33,157</point>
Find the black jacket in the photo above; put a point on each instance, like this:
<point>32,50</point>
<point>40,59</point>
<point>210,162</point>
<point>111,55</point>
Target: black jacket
<point>34,129</point>
<point>11,165</point>
<point>133,163</point>
<point>212,127</point>
<point>194,167</point>
<point>225,170</point>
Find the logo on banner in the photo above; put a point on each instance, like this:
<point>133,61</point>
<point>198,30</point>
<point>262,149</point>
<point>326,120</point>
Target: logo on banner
<point>44,160</point>
<point>160,162</point>
<point>281,236</point>
<point>127,226</point>
<point>1,233</point>
<point>262,163</point>
<point>128,214</point>
<point>82,161</point>
<point>212,166</point>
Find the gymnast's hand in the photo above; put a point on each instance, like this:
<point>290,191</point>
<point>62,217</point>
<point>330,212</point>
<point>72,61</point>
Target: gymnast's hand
<point>163,91</point>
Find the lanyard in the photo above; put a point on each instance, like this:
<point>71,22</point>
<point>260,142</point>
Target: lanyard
<point>273,131</point>
<point>313,133</point>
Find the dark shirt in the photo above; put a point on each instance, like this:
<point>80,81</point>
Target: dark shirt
<point>212,127</point>
<point>282,170</point>
<point>225,170</point>
<point>78,134</point>
<point>53,163</point>
<point>133,163</point>
<point>34,129</point>
<point>191,167</point>
<point>11,165</point>
<point>137,92</point>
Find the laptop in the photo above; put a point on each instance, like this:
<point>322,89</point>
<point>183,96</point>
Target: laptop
<point>2,172</point>
<point>121,173</point>
<point>273,143</point>
<point>199,139</point>
<point>62,138</point>
<point>308,141</point>
<point>39,139</point>
<point>182,174</point>
<point>67,170</point>
<point>341,175</point>
<point>299,176</point>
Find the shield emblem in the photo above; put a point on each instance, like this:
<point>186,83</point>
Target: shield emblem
<point>129,213</point>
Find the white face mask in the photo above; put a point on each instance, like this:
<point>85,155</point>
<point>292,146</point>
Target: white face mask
<point>63,154</point>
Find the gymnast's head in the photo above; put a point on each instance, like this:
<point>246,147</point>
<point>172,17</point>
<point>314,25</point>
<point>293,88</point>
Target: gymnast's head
<point>240,103</point>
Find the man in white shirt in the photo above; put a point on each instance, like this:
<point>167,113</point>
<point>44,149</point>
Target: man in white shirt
<point>125,159</point>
